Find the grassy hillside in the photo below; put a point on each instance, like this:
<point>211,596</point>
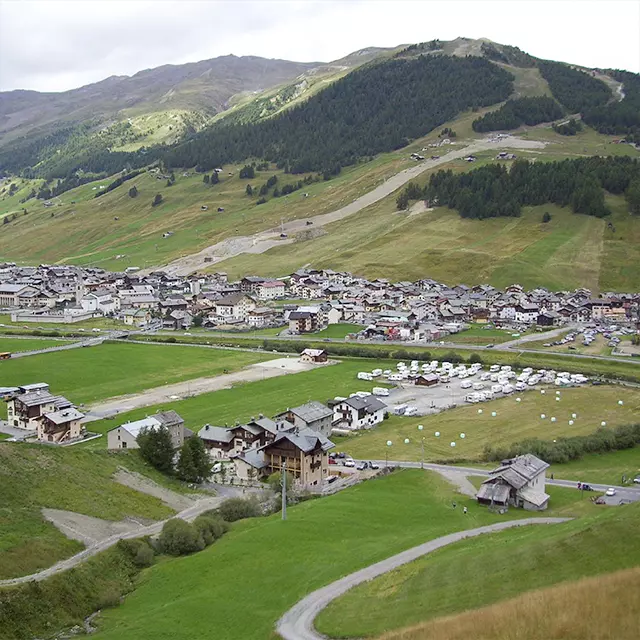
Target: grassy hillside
<point>588,609</point>
<point>486,570</point>
<point>515,421</point>
<point>321,541</point>
<point>33,477</point>
<point>13,345</point>
<point>96,373</point>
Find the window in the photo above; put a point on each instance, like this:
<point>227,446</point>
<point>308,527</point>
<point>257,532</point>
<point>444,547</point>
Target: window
<point>124,445</point>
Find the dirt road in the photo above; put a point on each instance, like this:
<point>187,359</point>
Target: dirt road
<point>181,390</point>
<point>265,240</point>
<point>297,623</point>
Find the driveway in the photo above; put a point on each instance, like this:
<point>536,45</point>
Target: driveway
<point>297,623</point>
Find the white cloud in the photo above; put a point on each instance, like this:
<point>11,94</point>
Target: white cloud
<point>57,45</point>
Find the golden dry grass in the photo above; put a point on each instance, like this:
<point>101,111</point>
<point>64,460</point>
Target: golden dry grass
<point>601,608</point>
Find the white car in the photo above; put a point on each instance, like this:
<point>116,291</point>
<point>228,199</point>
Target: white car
<point>349,462</point>
<point>610,492</point>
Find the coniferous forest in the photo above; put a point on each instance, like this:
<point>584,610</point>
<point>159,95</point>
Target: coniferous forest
<point>378,108</point>
<point>574,89</point>
<point>494,190</point>
<point>514,113</point>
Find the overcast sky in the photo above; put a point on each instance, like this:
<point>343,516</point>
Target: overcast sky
<point>52,45</point>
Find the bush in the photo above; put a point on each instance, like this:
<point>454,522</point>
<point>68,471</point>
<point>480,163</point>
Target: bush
<point>474,358</point>
<point>546,217</point>
<point>180,538</point>
<point>239,508</point>
<point>138,550</point>
<point>210,528</point>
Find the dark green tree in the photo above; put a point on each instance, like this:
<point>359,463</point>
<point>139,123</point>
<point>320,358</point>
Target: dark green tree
<point>215,178</point>
<point>194,463</point>
<point>133,192</point>
<point>546,217</point>
<point>156,448</point>
<point>633,196</point>
<point>249,190</point>
<point>180,538</point>
<point>157,200</point>
<point>247,172</point>
<point>206,179</point>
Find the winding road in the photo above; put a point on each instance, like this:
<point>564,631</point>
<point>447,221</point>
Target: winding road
<point>297,623</point>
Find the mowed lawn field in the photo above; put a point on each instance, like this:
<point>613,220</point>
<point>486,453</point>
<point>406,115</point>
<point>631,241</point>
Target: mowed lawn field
<point>272,564</point>
<point>488,569</point>
<point>14,345</point>
<point>89,374</point>
<point>269,397</point>
<point>514,421</point>
<point>34,476</point>
<point>570,251</point>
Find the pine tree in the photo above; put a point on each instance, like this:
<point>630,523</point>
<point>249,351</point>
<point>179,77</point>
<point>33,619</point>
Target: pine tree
<point>249,190</point>
<point>157,200</point>
<point>156,448</point>
<point>215,178</point>
<point>206,178</point>
<point>194,463</point>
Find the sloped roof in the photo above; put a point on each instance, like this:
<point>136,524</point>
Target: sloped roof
<point>534,497</point>
<point>370,404</point>
<point>65,415</point>
<point>134,428</point>
<point>304,439</point>
<point>168,418</point>
<point>520,470</point>
<point>215,434</point>
<point>497,492</point>
<point>312,411</point>
<point>253,457</point>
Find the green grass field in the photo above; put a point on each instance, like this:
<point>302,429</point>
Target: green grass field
<point>272,564</point>
<point>514,422</point>
<point>268,396</point>
<point>33,477</point>
<point>339,330</point>
<point>481,335</point>
<point>107,370</point>
<point>485,570</point>
<point>14,345</point>
<point>98,323</point>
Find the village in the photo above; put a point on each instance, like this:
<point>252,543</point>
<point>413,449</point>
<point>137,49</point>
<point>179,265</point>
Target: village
<point>304,302</point>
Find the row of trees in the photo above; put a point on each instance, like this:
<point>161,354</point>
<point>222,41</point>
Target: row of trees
<point>569,128</point>
<point>377,108</point>
<point>193,465</point>
<point>493,190</point>
<point>514,113</point>
<point>563,450</point>
<point>118,181</point>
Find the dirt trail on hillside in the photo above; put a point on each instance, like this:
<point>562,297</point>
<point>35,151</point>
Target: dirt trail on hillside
<point>138,482</point>
<point>265,240</point>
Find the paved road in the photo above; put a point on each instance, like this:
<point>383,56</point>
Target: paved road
<point>269,238</point>
<point>535,337</point>
<point>297,623</point>
<point>190,513</point>
<point>630,494</point>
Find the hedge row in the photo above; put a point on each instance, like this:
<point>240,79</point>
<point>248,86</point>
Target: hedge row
<point>565,449</point>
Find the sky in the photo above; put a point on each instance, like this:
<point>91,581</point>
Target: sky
<point>54,45</point>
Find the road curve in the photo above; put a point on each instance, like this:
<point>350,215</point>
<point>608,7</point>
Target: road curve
<point>297,623</point>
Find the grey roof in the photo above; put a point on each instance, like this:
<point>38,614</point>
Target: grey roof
<point>253,457</point>
<point>520,470</point>
<point>304,439</point>
<point>267,424</point>
<point>65,415</point>
<point>168,418</point>
<point>534,497</point>
<point>232,299</point>
<point>312,411</point>
<point>134,428</point>
<point>370,404</point>
<point>215,434</point>
<point>35,399</point>
<point>497,492</point>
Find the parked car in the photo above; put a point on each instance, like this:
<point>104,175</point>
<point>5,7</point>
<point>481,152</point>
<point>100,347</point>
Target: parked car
<point>362,466</point>
<point>332,461</point>
<point>349,462</point>
<point>373,465</point>
<point>610,491</point>
<point>332,479</point>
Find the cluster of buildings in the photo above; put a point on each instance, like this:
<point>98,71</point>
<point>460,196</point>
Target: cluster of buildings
<point>297,438</point>
<point>424,310</point>
<point>52,419</point>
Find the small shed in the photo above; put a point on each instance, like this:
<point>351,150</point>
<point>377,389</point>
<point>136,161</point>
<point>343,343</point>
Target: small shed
<point>313,355</point>
<point>426,380</point>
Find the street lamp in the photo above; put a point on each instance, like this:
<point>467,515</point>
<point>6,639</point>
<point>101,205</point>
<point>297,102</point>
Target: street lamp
<point>420,428</point>
<point>386,453</point>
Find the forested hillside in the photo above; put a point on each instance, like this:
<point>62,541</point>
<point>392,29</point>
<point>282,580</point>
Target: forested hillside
<point>514,113</point>
<point>494,191</point>
<point>378,108</point>
<point>574,89</point>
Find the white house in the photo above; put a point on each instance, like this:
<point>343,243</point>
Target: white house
<point>125,436</point>
<point>270,289</point>
<point>235,306</point>
<point>358,413</point>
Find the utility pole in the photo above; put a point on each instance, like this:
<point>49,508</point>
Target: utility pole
<point>283,475</point>
<point>422,461</point>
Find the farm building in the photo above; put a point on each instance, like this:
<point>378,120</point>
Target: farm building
<point>519,481</point>
<point>313,355</point>
<point>427,380</point>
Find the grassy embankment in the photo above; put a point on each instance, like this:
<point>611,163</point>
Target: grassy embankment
<point>486,570</point>
<point>98,323</point>
<point>107,370</point>
<point>33,477</point>
<point>321,541</point>
<point>15,345</point>
<point>588,609</point>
